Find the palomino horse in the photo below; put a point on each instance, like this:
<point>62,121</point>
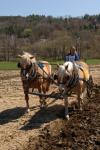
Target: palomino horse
<point>34,74</point>
<point>73,76</point>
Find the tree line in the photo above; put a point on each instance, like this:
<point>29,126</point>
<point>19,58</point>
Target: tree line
<point>49,37</point>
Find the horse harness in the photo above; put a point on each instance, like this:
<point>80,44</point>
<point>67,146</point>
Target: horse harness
<point>31,74</point>
<point>74,79</point>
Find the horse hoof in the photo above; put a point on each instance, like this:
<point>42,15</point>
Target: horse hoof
<point>67,117</point>
<point>28,110</point>
<point>42,106</point>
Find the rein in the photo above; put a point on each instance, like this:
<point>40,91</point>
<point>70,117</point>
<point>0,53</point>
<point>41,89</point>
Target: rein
<point>35,75</point>
<point>49,77</point>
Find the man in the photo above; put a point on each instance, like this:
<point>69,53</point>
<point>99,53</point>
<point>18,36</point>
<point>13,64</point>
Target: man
<point>72,55</point>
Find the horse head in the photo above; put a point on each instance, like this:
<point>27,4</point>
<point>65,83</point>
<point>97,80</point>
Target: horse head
<point>26,64</point>
<point>64,73</point>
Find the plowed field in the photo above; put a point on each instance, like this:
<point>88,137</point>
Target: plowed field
<point>46,129</point>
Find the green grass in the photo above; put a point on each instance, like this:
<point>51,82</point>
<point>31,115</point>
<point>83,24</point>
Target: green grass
<point>13,65</point>
<point>8,65</point>
<point>93,61</point>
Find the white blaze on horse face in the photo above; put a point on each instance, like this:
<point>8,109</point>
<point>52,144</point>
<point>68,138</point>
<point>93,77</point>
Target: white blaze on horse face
<point>27,75</point>
<point>61,72</point>
<point>25,63</point>
<point>65,70</point>
<point>69,68</point>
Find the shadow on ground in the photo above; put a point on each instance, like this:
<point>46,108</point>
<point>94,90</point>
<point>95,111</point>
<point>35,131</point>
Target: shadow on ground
<point>45,116</point>
<point>9,115</point>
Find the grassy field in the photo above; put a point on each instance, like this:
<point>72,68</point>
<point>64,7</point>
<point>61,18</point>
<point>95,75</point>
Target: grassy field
<point>8,65</point>
<point>93,61</point>
<point>13,65</point>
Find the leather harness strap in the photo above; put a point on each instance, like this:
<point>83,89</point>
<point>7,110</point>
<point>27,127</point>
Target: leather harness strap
<point>75,77</point>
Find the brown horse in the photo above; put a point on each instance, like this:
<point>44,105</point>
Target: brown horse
<point>34,74</point>
<point>73,76</point>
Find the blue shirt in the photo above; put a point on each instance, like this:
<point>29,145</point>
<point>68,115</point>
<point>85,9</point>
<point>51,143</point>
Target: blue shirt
<point>74,57</point>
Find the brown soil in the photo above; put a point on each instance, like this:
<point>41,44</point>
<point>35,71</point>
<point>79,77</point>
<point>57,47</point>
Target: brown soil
<point>81,132</point>
<point>45,129</point>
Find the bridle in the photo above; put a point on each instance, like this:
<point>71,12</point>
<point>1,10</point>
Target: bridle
<point>27,72</point>
<point>30,72</point>
<point>70,81</point>
<point>65,78</point>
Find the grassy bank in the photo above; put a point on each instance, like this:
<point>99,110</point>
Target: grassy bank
<point>8,65</point>
<point>13,65</point>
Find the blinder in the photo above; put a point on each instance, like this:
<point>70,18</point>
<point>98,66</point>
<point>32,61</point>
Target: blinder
<point>25,71</point>
<point>55,77</point>
<point>19,65</point>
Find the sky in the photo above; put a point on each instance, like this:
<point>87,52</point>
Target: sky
<point>55,8</point>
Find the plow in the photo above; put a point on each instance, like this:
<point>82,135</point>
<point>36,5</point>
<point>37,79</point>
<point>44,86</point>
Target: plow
<point>51,95</point>
<point>58,95</point>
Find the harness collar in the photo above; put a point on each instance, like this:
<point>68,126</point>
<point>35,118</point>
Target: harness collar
<point>73,81</point>
<point>74,78</point>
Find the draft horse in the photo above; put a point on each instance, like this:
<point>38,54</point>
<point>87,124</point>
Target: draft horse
<point>73,77</point>
<point>34,74</point>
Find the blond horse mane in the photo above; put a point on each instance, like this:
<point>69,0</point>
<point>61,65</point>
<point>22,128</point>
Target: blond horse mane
<point>27,58</point>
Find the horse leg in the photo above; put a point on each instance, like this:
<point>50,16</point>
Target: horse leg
<point>80,95</point>
<point>26,90</point>
<point>40,97</point>
<point>66,108</point>
<point>44,100</point>
<point>45,88</point>
<point>41,102</point>
<point>27,102</point>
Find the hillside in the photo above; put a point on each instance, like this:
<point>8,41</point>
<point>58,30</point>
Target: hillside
<point>49,36</point>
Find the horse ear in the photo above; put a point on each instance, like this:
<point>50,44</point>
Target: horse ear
<point>66,67</point>
<point>23,52</point>
<point>19,56</point>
